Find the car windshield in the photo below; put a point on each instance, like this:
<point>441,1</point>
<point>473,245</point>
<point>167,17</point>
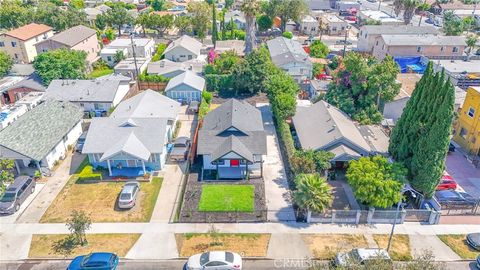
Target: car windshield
<point>125,196</point>
<point>354,255</point>
<point>204,258</point>
<point>8,197</point>
<point>229,257</point>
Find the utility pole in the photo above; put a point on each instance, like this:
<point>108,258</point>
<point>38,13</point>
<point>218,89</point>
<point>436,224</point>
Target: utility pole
<point>423,11</point>
<point>345,41</point>
<point>134,56</point>
<point>379,5</point>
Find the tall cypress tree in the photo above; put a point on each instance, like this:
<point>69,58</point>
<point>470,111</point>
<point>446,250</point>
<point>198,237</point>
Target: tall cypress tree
<point>420,138</point>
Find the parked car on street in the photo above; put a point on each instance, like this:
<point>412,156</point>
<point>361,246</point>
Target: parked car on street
<point>473,240</point>
<point>16,194</point>
<point>342,41</point>
<point>447,182</point>
<point>451,147</point>
<point>478,262</point>
<point>128,196</point>
<point>95,261</point>
<point>453,197</point>
<point>80,142</point>
<point>361,256</point>
<point>214,260</point>
<point>181,146</point>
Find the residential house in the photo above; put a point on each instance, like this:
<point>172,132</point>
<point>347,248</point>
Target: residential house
<point>130,67</point>
<point>334,25</point>
<point>133,140</point>
<point>369,33</point>
<point>461,73</point>
<point>467,128</point>
<point>20,43</point>
<point>309,25</point>
<point>430,46</point>
<point>322,126</point>
<point>238,46</point>
<point>79,38</point>
<point>17,90</point>
<point>290,56</point>
<point>237,17</point>
<point>439,8</point>
<point>185,87</point>
<point>42,136</point>
<point>93,96</point>
<point>93,12</point>
<point>378,16</point>
<point>170,69</point>
<point>183,49</point>
<point>144,48</point>
<point>232,140</point>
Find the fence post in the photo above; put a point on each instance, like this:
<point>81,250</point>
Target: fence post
<point>357,220</point>
<point>309,216</point>
<point>432,219</point>
<point>334,214</point>
<point>371,210</point>
<point>403,214</point>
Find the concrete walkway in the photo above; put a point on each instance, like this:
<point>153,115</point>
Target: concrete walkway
<point>287,245</point>
<point>154,246</point>
<point>277,193</point>
<point>419,243</point>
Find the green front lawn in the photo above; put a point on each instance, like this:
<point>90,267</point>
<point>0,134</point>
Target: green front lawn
<point>225,198</point>
<point>100,72</point>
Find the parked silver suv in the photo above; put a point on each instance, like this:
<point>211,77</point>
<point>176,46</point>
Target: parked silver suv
<point>16,194</point>
<point>128,195</point>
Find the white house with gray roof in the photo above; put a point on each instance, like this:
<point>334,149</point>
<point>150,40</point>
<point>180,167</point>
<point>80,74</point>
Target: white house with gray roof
<point>144,48</point>
<point>133,140</point>
<point>185,87</point>
<point>170,69</point>
<point>43,135</point>
<point>183,49</point>
<point>94,96</point>
<point>232,140</point>
<point>322,126</point>
<point>290,56</point>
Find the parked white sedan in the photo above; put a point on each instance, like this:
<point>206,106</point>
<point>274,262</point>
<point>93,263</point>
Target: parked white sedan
<point>215,260</point>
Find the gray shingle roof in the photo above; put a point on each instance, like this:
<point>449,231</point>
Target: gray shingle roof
<point>73,35</point>
<point>423,40</point>
<point>148,104</point>
<point>83,90</point>
<point>32,82</point>
<point>36,132</point>
<point>186,42</point>
<point>215,139</point>
<point>283,50</point>
<point>188,78</point>
<point>399,29</point>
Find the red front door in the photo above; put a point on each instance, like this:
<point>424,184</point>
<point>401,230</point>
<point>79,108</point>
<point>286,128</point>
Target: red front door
<point>234,163</point>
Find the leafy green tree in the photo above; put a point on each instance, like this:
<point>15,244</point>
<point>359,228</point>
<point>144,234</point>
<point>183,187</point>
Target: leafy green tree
<point>160,23</point>
<point>200,18</point>
<point>13,14</point>
<point>375,181</point>
<point>471,42</point>
<point>310,161</point>
<point>183,24</point>
<point>78,4</point>
<point>313,193</point>
<point>6,173</point>
<point>226,62</point>
<point>360,86</point>
<point>318,49</point>
<point>60,64</point>
<point>469,23</point>
<point>287,34</point>
<point>57,17</point>
<point>421,136</point>
<point>6,63</point>
<point>250,9</point>
<point>264,22</point>
<point>78,224</point>
<point>117,17</point>
<point>229,3</point>
<point>144,21</point>
<point>158,5</point>
<point>282,91</point>
<point>317,69</point>
<point>101,21</point>
<point>452,25</point>
<point>287,10</point>
<point>252,75</point>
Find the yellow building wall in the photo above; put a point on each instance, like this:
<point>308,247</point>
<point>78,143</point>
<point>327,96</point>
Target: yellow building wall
<point>467,129</point>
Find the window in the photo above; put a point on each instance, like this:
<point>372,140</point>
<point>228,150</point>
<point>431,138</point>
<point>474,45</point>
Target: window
<point>190,57</point>
<point>16,56</point>
<point>463,133</point>
<point>153,158</point>
<point>109,58</point>
<point>471,112</point>
<point>215,263</point>
<point>36,39</point>
<point>419,49</point>
<point>14,44</point>
<point>219,162</point>
<point>45,36</point>
<point>2,44</point>
<point>455,49</point>
<point>376,43</point>
<point>383,47</point>
<point>365,35</point>
<point>442,48</point>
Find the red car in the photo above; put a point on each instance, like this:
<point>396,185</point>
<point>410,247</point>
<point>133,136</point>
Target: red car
<point>447,182</point>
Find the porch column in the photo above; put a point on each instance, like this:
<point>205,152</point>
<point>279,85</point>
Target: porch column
<point>143,166</point>
<point>17,167</point>
<point>246,169</point>
<point>109,169</point>
<point>217,170</point>
<point>261,169</point>
<point>38,166</point>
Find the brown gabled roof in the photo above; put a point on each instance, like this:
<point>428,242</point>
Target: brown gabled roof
<point>28,31</point>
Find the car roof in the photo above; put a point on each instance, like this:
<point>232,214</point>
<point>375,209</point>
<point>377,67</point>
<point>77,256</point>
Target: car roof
<point>217,256</point>
<point>99,257</point>
<point>446,194</point>
<point>181,140</point>
<point>128,189</point>
<point>366,253</point>
<point>18,182</point>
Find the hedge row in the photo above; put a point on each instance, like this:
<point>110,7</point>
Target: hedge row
<point>87,173</point>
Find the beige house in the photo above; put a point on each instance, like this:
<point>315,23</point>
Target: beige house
<point>20,43</point>
<point>431,46</point>
<point>335,25</point>
<point>80,38</point>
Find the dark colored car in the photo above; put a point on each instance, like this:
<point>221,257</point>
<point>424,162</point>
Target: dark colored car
<point>16,194</point>
<point>342,41</point>
<point>80,142</point>
<point>454,197</point>
<point>181,145</point>
<point>473,240</point>
<point>95,261</point>
<point>478,261</point>
<point>451,147</point>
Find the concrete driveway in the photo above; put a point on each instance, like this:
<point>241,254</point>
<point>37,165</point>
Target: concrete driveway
<point>12,218</point>
<point>462,171</point>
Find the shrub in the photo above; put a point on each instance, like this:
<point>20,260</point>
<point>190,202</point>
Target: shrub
<point>218,83</point>
<point>144,77</point>
<point>204,108</point>
<point>318,49</point>
<point>159,53</point>
<point>288,35</point>
<point>87,173</point>
<point>207,96</point>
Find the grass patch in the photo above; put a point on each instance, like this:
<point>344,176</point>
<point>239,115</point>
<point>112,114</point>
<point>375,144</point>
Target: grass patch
<point>213,106</point>
<point>400,249</point>
<point>41,245</point>
<point>100,72</point>
<point>99,200</point>
<point>250,245</point>
<point>458,243</point>
<point>326,246</point>
<point>224,198</point>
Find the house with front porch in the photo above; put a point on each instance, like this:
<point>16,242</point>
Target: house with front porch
<point>232,141</point>
<point>41,136</point>
<point>133,140</point>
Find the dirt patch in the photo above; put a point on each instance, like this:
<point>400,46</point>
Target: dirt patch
<point>247,245</point>
<point>400,249</point>
<point>252,99</point>
<point>326,246</point>
<point>120,244</point>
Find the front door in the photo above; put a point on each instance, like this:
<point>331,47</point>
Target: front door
<point>234,163</point>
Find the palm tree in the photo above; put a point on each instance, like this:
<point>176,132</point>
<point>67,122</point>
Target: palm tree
<point>250,9</point>
<point>409,7</point>
<point>313,193</point>
<point>471,43</point>
<point>397,6</point>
